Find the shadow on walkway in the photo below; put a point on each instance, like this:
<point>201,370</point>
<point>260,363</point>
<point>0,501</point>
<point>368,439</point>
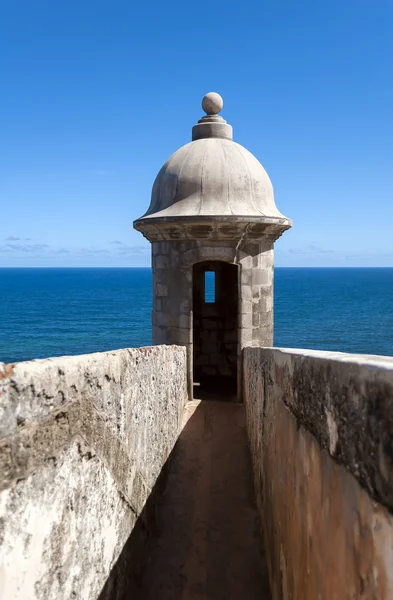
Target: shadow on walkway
<point>216,389</point>
<point>204,538</point>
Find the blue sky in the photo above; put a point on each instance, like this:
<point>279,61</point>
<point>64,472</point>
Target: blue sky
<point>96,95</point>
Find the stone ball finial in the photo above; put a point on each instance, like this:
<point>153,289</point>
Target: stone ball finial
<point>212,103</point>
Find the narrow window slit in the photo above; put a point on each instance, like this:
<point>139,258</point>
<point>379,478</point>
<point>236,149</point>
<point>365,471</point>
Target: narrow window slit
<point>210,287</point>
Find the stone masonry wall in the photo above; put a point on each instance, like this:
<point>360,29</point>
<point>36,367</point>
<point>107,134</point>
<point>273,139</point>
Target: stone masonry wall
<point>172,263</point>
<point>82,442</point>
<point>320,426</point>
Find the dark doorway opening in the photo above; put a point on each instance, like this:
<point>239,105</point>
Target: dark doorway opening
<point>215,330</point>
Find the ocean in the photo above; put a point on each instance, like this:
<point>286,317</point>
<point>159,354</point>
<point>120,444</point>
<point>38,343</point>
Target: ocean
<point>55,312</point>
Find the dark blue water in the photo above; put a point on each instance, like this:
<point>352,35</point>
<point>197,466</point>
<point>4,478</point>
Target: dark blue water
<point>51,312</point>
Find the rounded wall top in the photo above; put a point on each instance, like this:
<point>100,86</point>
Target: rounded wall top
<point>212,177</point>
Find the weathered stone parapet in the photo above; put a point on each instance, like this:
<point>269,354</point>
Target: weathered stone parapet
<point>344,400</point>
<point>83,442</point>
<point>320,426</point>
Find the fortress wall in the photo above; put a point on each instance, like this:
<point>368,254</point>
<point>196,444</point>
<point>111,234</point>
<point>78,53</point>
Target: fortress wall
<point>320,426</point>
<point>83,440</point>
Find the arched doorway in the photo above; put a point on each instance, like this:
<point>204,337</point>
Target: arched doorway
<point>215,330</point>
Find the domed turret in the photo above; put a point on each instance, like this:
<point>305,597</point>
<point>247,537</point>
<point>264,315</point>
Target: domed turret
<point>212,178</point>
<point>213,222</point>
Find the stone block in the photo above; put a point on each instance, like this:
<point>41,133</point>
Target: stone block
<point>190,257</point>
<point>266,320</point>
<point>209,370</point>
<point>185,306</point>
<point>232,359</point>
<point>161,261</point>
<point>245,337</point>
<point>246,277</point>
<point>167,248</point>
<point>261,277</point>
<point>231,336</point>
<point>185,321</point>
<point>246,320</point>
<point>162,319</point>
<point>173,319</point>
<point>266,260</point>
<point>201,360</point>
<point>246,292</point>
<point>231,348</point>
<point>160,335</point>
<point>187,274</point>
<point>256,292</point>
<point>205,336</point>
<point>246,262</point>
<point>246,306</point>
<point>160,276</point>
<point>209,324</point>
<point>223,253</point>
<point>256,318</point>
<point>161,290</point>
<point>266,291</point>
<point>166,304</point>
<point>262,336</point>
<point>181,335</point>
<point>215,359</point>
<point>225,371</point>
<point>265,304</point>
<point>209,347</point>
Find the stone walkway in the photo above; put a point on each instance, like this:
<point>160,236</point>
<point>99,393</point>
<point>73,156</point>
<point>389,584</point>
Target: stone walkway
<point>208,543</point>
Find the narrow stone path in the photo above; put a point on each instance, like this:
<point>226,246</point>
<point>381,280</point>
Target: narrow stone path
<point>208,544</point>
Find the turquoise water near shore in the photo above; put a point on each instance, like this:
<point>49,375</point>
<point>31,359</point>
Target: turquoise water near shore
<point>52,312</point>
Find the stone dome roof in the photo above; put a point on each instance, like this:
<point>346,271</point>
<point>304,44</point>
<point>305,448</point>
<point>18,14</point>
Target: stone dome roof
<point>212,176</point>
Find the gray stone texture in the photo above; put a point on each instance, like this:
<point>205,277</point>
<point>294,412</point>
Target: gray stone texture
<point>172,312</point>
<point>83,441</point>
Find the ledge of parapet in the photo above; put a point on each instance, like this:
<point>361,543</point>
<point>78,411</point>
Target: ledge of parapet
<point>7,369</point>
<point>379,360</point>
<point>344,400</point>
<point>30,390</point>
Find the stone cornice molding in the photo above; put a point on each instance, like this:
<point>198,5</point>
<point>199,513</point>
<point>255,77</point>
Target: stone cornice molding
<point>212,228</point>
